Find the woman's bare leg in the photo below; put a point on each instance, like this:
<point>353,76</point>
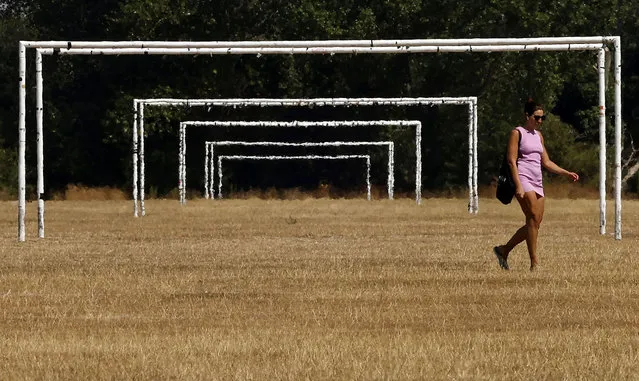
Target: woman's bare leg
<point>519,236</point>
<point>533,207</point>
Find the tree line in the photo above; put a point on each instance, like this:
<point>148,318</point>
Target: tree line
<point>88,100</point>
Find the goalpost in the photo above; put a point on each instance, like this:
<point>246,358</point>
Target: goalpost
<point>306,124</point>
<point>367,158</point>
<point>209,160</point>
<point>471,102</point>
<point>593,43</point>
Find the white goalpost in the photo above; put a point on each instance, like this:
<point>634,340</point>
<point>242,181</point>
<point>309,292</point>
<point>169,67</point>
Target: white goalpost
<point>209,160</point>
<point>367,159</point>
<point>301,124</point>
<point>592,43</point>
<point>471,102</point>
<point>307,124</point>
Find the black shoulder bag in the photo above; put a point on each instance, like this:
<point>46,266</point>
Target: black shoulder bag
<point>505,182</point>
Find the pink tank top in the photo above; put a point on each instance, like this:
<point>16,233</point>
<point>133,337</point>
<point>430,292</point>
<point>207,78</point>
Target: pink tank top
<point>529,161</point>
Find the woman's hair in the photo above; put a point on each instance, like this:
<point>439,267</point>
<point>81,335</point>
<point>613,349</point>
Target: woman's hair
<point>531,106</point>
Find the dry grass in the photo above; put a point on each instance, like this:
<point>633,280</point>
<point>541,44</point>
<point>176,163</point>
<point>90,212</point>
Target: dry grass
<point>75,192</point>
<point>315,289</point>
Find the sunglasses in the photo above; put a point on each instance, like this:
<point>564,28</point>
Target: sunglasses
<point>542,117</point>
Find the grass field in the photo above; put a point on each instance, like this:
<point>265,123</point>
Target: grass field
<point>316,289</point>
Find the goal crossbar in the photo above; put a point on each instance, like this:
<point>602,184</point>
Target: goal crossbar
<point>324,50</point>
<point>290,102</point>
<point>321,43</point>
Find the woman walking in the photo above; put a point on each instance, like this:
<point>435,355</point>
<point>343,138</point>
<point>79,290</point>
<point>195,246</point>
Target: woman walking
<point>526,156</point>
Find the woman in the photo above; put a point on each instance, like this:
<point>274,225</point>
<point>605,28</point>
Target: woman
<point>525,159</point>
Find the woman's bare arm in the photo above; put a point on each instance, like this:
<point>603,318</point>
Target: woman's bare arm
<point>551,166</point>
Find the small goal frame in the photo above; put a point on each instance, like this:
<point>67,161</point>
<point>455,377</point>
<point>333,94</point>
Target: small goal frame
<point>367,159</point>
<point>472,167</point>
<point>209,160</point>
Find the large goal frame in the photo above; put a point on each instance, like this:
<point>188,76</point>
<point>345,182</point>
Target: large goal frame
<point>209,159</point>
<point>471,102</point>
<point>296,157</point>
<point>594,43</point>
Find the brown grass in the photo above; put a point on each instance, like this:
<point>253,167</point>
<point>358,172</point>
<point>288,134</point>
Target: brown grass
<point>315,289</point>
<point>75,192</point>
<point>322,191</point>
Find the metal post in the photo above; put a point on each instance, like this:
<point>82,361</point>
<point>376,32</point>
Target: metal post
<point>182,164</point>
<point>471,199</point>
<point>418,163</point>
<point>390,171</point>
<point>475,160</point>
<point>22,140</point>
<point>617,44</point>
<point>141,161</point>
<point>212,178</point>
<point>601,67</point>
<point>206,171</point>
<point>368,178</point>
<point>40,143</point>
<point>219,174</point>
<point>134,148</point>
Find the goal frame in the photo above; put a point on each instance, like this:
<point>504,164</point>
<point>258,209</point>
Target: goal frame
<point>598,43</point>
<point>296,157</point>
<point>471,102</point>
<point>209,160</point>
<point>304,124</point>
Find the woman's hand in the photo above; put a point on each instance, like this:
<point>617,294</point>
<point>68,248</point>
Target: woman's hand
<point>519,191</point>
<point>572,176</point>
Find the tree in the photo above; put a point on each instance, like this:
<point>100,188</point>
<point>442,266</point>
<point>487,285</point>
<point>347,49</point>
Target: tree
<point>88,100</point>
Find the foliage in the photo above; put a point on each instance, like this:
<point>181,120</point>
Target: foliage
<point>88,100</point>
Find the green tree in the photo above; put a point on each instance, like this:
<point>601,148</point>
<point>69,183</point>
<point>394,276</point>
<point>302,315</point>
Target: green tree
<point>88,100</point>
